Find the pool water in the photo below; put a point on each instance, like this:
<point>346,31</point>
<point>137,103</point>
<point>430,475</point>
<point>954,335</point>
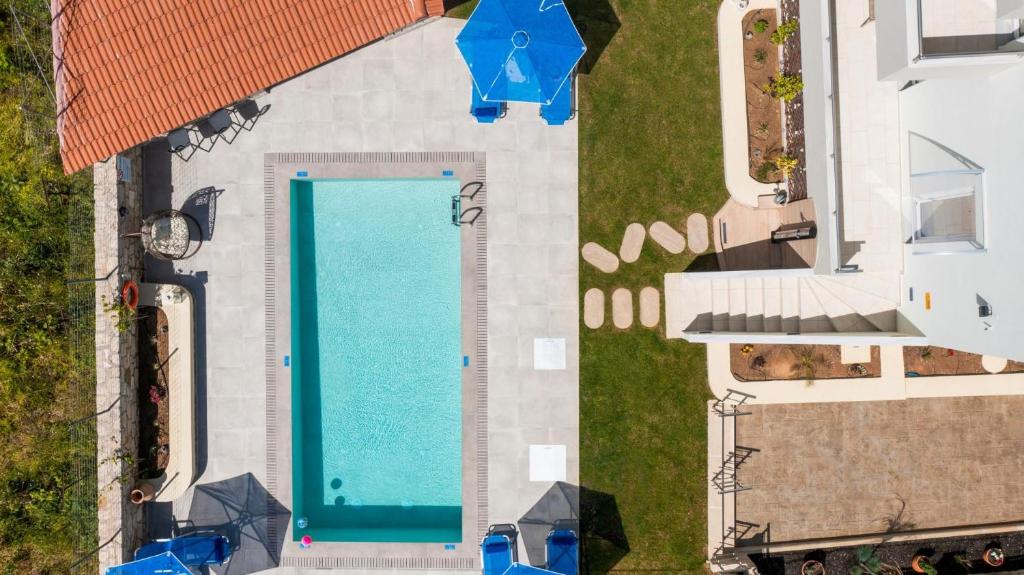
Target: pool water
<point>376,360</point>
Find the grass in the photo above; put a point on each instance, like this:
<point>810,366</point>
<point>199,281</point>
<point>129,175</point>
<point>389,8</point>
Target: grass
<point>650,149</point>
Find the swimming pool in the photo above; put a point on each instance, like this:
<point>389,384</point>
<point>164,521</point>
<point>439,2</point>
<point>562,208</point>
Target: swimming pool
<point>376,360</point>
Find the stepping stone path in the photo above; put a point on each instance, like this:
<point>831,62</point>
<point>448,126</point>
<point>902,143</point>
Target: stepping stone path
<point>667,237</point>
<point>697,233</point>
<point>622,308</point>
<point>632,242</point>
<point>602,259</point>
<point>993,364</point>
<point>650,307</point>
<point>593,308</point>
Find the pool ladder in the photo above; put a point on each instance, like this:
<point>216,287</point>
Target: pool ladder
<point>459,216</point>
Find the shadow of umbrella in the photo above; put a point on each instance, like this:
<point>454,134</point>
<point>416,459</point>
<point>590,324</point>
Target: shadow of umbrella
<point>593,515</point>
<point>242,510</point>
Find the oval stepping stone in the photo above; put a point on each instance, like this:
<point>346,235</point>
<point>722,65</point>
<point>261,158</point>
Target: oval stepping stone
<point>650,307</point>
<point>600,258</point>
<point>593,308</point>
<point>993,364</point>
<point>632,242</point>
<point>622,308</point>
<point>697,233</point>
<point>667,237</point>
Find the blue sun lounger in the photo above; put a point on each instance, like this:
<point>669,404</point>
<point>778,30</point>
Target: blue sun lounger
<point>496,554</point>
<point>563,552</point>
<point>560,109</point>
<point>165,564</point>
<point>192,550</point>
<point>485,112</point>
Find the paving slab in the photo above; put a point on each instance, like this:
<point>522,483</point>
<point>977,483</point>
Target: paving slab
<point>622,308</point>
<point>593,308</point>
<point>697,232</point>
<point>632,242</point>
<point>599,257</point>
<point>650,306</point>
<point>667,237</point>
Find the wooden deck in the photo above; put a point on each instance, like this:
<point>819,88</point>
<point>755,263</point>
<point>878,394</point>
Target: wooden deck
<point>743,236</point>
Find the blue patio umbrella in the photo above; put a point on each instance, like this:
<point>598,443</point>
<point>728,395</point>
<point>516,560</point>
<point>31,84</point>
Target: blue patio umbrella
<point>520,50</point>
<point>163,564</point>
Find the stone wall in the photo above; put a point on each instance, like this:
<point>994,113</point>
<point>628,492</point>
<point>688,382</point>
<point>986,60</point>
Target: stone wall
<point>117,212</point>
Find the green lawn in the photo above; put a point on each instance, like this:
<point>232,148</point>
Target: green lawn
<point>650,149</point>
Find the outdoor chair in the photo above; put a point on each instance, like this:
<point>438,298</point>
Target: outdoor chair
<point>475,211</point>
<point>561,549</point>
<point>216,125</point>
<point>560,109</point>
<point>470,190</point>
<point>248,111</point>
<point>191,550</point>
<point>508,530</point>
<point>179,143</point>
<point>486,112</point>
<point>496,554</point>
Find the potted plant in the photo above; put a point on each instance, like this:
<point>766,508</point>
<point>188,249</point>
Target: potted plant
<point>141,493</point>
<point>993,555</point>
<point>922,564</point>
<point>812,567</point>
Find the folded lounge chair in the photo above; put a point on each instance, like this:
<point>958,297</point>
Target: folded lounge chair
<point>486,112</point>
<point>164,563</point>
<point>560,109</point>
<point>192,550</point>
<point>496,554</point>
<point>562,551</point>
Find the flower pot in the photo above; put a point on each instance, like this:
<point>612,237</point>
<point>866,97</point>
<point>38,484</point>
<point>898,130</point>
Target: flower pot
<point>141,493</point>
<point>918,563</point>
<point>993,556</point>
<point>812,567</point>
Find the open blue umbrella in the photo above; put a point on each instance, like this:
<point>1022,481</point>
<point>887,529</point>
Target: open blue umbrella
<point>163,564</point>
<point>520,50</point>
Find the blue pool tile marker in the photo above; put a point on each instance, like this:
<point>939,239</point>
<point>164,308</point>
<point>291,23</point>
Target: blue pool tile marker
<point>287,360</point>
<point>449,547</point>
<point>301,174</point>
<point>448,173</point>
<point>465,361</point>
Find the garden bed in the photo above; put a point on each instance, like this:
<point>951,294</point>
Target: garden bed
<point>931,361</point>
<point>794,109</point>
<point>764,113</point>
<point>954,555</point>
<point>154,400</point>
<point>759,362</point>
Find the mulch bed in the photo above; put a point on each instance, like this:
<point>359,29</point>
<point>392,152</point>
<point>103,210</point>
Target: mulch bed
<point>153,397</point>
<point>942,553</point>
<point>931,360</point>
<point>759,362</point>
<point>764,113</point>
<point>792,65</point>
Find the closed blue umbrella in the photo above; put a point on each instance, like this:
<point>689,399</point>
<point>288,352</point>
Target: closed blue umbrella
<point>163,564</point>
<point>520,50</point>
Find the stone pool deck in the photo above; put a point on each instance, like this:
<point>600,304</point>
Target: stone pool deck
<point>409,93</point>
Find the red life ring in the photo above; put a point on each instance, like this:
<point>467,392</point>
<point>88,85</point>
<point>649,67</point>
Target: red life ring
<point>130,294</point>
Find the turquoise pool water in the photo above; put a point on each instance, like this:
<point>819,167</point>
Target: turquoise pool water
<point>376,360</point>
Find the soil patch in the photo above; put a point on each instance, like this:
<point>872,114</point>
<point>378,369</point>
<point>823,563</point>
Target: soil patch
<point>764,114</point>
<point>153,397</point>
<point>758,362</point>
<point>931,360</point>
<point>792,66</point>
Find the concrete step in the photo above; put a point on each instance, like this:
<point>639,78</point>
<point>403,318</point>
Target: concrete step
<point>720,305</point>
<point>737,305</point>
<point>789,297</point>
<point>842,317</point>
<point>878,311</point>
<point>813,318</point>
<point>755,305</point>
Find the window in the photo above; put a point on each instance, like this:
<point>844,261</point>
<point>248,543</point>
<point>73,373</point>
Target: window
<point>946,191</point>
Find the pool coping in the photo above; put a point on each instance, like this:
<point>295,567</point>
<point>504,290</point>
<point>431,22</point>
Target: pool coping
<point>279,169</point>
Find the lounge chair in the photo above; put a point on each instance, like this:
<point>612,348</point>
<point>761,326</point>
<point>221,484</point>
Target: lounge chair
<point>191,550</point>
<point>562,552</point>
<point>560,109</point>
<point>496,554</point>
<point>164,563</point>
<point>486,112</point>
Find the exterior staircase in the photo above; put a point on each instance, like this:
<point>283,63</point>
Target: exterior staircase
<point>701,304</point>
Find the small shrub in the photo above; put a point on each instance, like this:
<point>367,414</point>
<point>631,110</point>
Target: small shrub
<point>764,171</point>
<point>760,56</point>
<point>785,30</point>
<point>761,26</point>
<point>785,164</point>
<point>746,349</point>
<point>762,131</point>
<point>783,87</point>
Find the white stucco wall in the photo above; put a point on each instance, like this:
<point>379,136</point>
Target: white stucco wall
<point>979,118</point>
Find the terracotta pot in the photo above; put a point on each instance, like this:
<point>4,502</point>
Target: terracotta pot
<point>141,493</point>
<point>812,567</point>
<point>993,556</point>
<point>916,562</point>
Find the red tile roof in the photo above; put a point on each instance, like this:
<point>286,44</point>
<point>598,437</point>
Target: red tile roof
<point>130,70</point>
